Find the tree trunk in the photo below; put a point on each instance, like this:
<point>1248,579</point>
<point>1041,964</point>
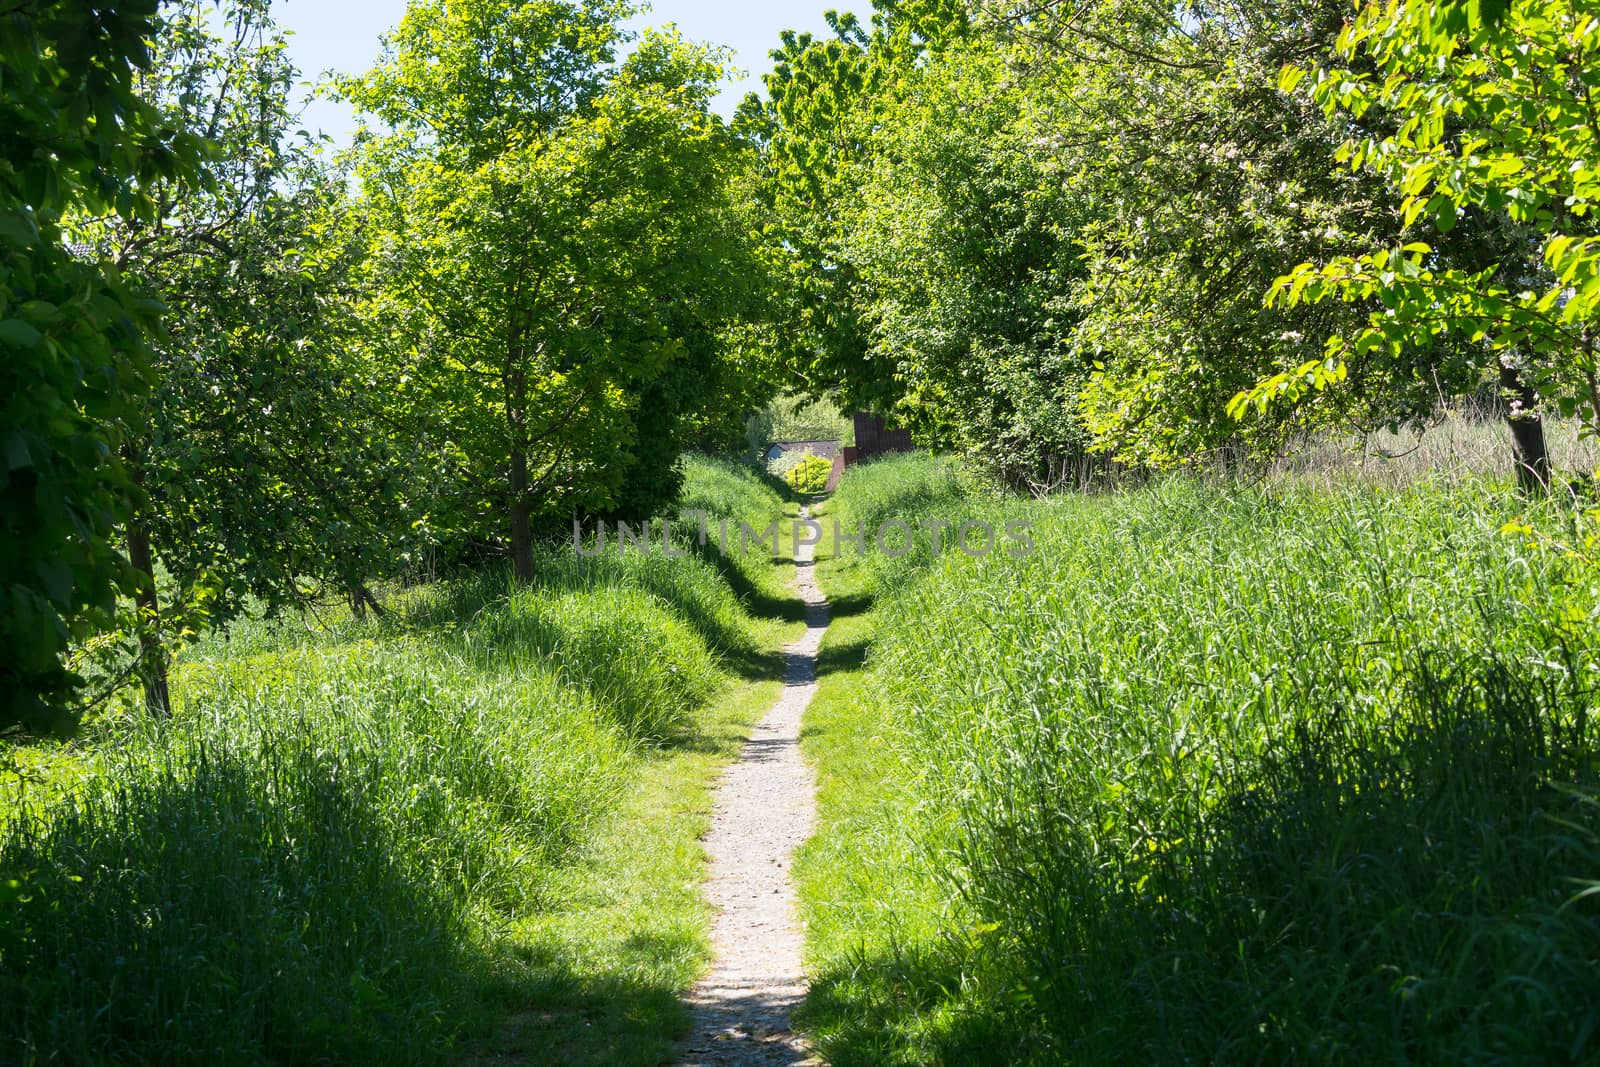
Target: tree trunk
<point>152,655</point>
<point>361,599</point>
<point>521,527</point>
<point>1528,449</point>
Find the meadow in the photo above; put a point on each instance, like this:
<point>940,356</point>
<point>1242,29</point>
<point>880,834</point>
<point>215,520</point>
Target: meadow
<point>1285,772</point>
<point>466,828</point>
<point>1263,754</point>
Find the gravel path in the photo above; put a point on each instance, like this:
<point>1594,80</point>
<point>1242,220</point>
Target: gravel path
<point>765,807</point>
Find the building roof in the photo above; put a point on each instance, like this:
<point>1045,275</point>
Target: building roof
<point>827,449</point>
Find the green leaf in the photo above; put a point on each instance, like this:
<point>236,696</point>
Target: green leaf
<point>14,333</point>
<point>17,230</point>
<point>16,450</point>
<point>1443,210</point>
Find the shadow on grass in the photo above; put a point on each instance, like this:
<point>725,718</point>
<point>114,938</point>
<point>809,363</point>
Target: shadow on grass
<point>906,1005</point>
<point>754,665</point>
<point>836,656</point>
<point>243,902</point>
<point>849,605</point>
<point>1375,887</point>
<point>451,609</point>
<point>757,601</point>
<point>547,1011</point>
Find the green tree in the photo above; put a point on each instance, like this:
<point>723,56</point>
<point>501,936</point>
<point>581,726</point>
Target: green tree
<point>1196,181</point>
<point>547,226</point>
<point>1040,228</point>
<point>74,137</point>
<point>824,97</point>
<point>965,238</point>
<point>1492,113</point>
<point>259,465</point>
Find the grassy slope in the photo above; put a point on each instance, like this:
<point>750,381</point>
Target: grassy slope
<point>600,980</point>
<point>883,939</point>
<point>871,912</point>
<point>597,980</point>
<point>468,828</point>
<point>1264,777</point>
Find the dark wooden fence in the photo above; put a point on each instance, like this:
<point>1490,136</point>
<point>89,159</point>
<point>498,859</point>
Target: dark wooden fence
<point>873,438</point>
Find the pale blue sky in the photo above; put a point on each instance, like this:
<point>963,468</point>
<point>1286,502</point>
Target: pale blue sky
<point>343,35</point>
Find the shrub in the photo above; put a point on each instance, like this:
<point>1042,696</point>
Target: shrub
<point>810,475</point>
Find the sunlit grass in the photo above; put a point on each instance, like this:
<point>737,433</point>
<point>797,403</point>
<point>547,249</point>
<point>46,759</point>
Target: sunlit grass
<point>1461,447</point>
<point>597,979</point>
<point>1217,774</point>
<point>398,838</point>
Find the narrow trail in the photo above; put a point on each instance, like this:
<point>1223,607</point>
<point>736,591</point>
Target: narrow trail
<point>765,807</point>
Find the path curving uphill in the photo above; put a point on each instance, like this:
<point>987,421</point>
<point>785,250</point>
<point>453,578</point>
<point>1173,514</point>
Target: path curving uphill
<point>765,807</point>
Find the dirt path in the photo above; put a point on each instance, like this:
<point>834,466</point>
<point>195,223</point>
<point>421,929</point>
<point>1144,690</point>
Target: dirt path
<point>765,807</point>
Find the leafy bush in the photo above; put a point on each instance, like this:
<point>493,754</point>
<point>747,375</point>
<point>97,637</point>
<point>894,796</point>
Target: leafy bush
<point>810,475</point>
<point>75,364</point>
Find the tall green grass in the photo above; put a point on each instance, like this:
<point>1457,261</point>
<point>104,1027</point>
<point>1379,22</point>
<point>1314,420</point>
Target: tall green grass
<point>1234,775</point>
<point>315,860</point>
